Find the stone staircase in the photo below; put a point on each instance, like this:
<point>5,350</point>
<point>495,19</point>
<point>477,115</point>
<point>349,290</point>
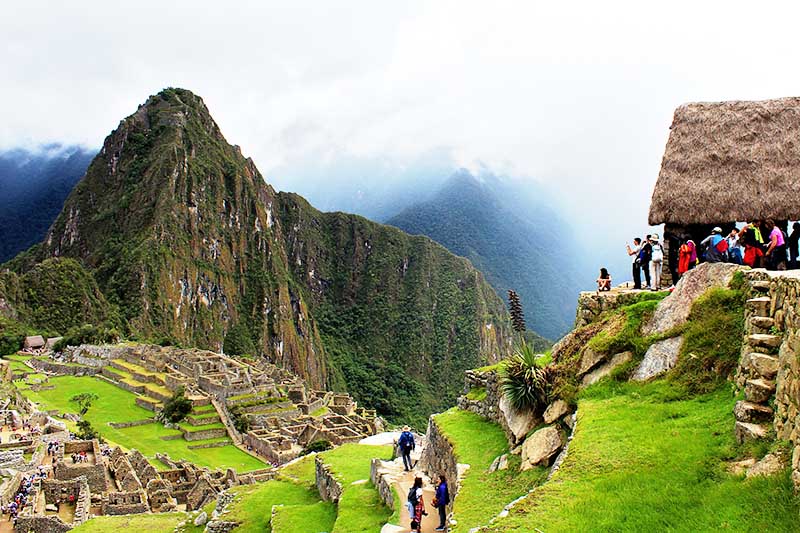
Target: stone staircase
<point>758,367</point>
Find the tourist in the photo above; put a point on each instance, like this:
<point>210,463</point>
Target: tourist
<point>793,242</point>
<point>716,247</point>
<point>734,251</point>
<point>417,503</point>
<point>645,255</point>
<point>751,237</point>
<point>656,262</point>
<point>685,254</point>
<point>776,249</point>
<point>637,266</point>
<point>440,501</point>
<point>406,444</point>
<point>604,281</point>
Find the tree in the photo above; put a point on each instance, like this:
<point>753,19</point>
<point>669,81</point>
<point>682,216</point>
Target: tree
<point>238,341</point>
<point>177,407</point>
<point>515,308</point>
<point>86,431</point>
<point>84,401</point>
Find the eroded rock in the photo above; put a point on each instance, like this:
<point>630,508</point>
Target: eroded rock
<point>519,422</point>
<point>555,410</point>
<point>606,369</point>
<point>541,447</point>
<point>660,357</point>
<point>771,464</point>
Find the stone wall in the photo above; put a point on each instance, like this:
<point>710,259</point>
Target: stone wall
<point>439,458</point>
<point>330,490</point>
<point>592,304</point>
<point>46,365</point>
<point>774,311</point>
<point>95,474</point>
<point>40,524</point>
<point>381,477</point>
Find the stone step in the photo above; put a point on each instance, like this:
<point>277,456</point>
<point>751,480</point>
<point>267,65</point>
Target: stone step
<point>752,413</point>
<point>760,285</point>
<point>765,365</point>
<point>747,432</point>
<point>760,306</point>
<point>763,322</point>
<point>759,390</point>
<point>764,340</point>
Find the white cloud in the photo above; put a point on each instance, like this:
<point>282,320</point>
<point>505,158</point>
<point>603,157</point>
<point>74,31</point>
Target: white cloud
<point>577,94</point>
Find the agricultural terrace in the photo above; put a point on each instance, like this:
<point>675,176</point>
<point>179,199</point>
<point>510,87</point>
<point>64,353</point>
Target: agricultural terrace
<point>118,405</point>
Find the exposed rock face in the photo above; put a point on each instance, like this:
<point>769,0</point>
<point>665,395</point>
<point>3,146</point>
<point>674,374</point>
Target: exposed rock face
<point>771,464</point>
<point>752,412</point>
<point>591,304</point>
<point>541,447</point>
<point>555,411</point>
<point>606,369</point>
<point>518,422</point>
<point>746,432</point>
<point>674,309</point>
<point>589,359</point>
<point>660,357</point>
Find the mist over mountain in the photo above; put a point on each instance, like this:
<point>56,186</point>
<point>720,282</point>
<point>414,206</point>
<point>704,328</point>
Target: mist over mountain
<point>33,186</point>
<point>515,239</point>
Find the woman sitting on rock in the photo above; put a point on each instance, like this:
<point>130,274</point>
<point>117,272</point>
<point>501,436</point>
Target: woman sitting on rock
<point>604,281</point>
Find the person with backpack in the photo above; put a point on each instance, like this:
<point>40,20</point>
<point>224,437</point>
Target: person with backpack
<point>416,505</point>
<point>656,261</point>
<point>715,246</point>
<point>734,251</point>
<point>637,265</point>
<point>406,444</point>
<point>753,242</point>
<point>440,501</point>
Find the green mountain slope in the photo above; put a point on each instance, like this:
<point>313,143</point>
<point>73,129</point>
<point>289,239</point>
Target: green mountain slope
<point>188,242</point>
<point>529,251</point>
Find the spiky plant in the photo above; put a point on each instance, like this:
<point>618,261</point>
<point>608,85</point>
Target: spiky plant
<point>525,384</point>
<point>515,308</point>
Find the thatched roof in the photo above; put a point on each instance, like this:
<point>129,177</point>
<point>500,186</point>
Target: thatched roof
<point>34,341</point>
<point>730,161</point>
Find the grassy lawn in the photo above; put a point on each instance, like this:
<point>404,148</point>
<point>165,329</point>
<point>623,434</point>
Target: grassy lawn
<point>314,518</point>
<point>360,508</point>
<point>302,471</point>
<point>644,458</point>
<point>478,442</point>
<point>253,506</point>
<point>152,523</point>
<point>118,405</point>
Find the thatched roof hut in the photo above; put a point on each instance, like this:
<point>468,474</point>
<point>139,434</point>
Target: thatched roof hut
<point>730,161</point>
<point>33,342</point>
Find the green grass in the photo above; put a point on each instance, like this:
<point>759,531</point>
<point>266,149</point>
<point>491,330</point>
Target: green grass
<point>477,394</point>
<point>320,412</point>
<point>712,340</point>
<point>644,458</point>
<point>478,442</point>
<point>302,471</point>
<point>152,523</point>
<point>313,518</point>
<point>253,504</point>
<point>360,508</point>
<point>118,405</point>
<point>191,429</point>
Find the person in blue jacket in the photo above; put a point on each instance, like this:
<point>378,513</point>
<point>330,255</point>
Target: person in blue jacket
<point>406,444</point>
<point>440,501</point>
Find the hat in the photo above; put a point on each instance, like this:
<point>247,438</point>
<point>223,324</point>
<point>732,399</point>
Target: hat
<point>654,237</point>
<point>717,229</point>
<point>406,428</point>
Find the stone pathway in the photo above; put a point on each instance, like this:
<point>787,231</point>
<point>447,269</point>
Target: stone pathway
<point>402,482</point>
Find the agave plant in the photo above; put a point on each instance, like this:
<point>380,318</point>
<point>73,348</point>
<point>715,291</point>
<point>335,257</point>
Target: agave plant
<point>525,385</point>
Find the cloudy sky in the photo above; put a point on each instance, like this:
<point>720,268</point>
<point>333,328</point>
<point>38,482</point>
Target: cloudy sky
<point>576,95</point>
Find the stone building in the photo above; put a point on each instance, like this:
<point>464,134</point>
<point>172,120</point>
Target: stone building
<point>726,162</point>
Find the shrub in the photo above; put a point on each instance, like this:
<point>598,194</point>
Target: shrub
<point>240,420</point>
<point>86,431</point>
<point>524,383</point>
<point>317,446</point>
<point>177,407</point>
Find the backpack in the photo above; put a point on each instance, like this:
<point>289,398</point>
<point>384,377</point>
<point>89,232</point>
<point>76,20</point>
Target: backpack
<point>658,252</point>
<point>722,246</point>
<point>644,254</point>
<point>412,496</point>
<point>406,440</point>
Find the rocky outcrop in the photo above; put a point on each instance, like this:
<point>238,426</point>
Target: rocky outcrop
<point>519,423</point>
<point>674,310</point>
<point>592,304</point>
<point>660,357</point>
<point>555,411</point>
<point>606,369</point>
<point>541,447</point>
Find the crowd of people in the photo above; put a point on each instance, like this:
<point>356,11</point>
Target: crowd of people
<point>758,244</point>
<point>22,497</point>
